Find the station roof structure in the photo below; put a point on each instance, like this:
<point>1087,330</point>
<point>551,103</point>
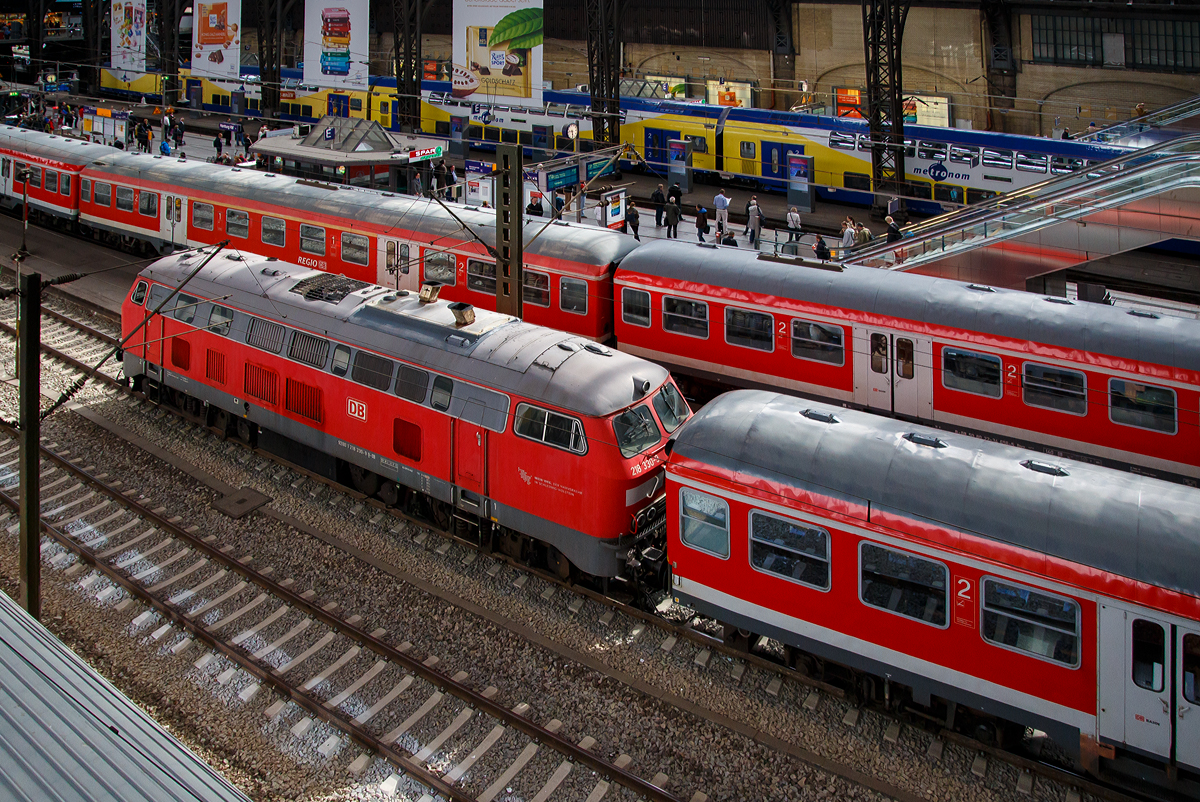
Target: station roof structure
<point>344,141</point>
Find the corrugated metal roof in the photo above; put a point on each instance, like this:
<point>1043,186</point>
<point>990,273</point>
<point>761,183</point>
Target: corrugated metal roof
<point>65,733</point>
<point>1137,527</point>
<point>50,146</point>
<point>1097,328</point>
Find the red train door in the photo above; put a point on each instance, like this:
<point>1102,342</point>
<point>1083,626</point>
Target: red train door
<point>893,372</point>
<point>470,451</point>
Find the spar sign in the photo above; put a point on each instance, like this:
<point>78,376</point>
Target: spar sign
<point>424,154</point>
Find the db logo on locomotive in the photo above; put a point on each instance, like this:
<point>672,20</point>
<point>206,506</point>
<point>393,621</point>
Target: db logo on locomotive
<point>356,408</point>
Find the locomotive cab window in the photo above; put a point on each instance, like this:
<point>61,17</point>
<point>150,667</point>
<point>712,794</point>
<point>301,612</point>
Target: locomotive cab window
<point>411,383</point>
<point>237,223</point>
<point>1054,388</point>
<point>1032,621</point>
<point>1149,655</point>
<point>535,288</point>
<point>356,249</point>
<point>685,317</point>
<point>440,267</point>
<point>636,431</point>
<point>481,276</point>
<point>220,319</point>
<point>185,308</point>
<point>789,549</point>
<point>148,203</point>
<point>103,194</point>
<point>341,361</point>
<point>124,199</point>
<point>635,307</point>
<point>671,408</point>
<point>443,391</point>
<point>312,239</point>
<point>971,372</point>
<point>904,584</point>
<point>704,522</point>
<point>749,329</point>
<point>139,293</point>
<point>274,230</point>
<point>202,213</point>
<point>1142,405</point>
<point>550,428</point>
<point>817,342</point>
<point>573,295</point>
<point>373,371</point>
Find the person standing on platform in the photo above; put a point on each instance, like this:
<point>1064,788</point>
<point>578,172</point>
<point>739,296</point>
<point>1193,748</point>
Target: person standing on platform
<point>701,222</point>
<point>598,211</point>
<point>632,220</point>
<point>452,178</point>
<point>752,202</point>
<point>658,199</point>
<point>721,206</point>
<point>754,221</point>
<point>793,224</point>
<point>675,194</point>
<point>673,213</point>
<point>847,238</point>
<point>219,145</point>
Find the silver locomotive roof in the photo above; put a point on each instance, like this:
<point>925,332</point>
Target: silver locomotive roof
<point>1141,528</point>
<point>52,146</point>
<point>584,244</point>
<point>496,351</point>
<point>1098,328</point>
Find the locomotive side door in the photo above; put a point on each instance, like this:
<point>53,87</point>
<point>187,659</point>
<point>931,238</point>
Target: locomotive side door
<point>470,450</point>
<point>1135,680</point>
<point>1187,697</point>
<point>396,267</point>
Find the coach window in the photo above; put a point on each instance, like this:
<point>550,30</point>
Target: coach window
<point>879,353</point>
<point>185,308</point>
<point>905,362</point>
<point>17,167</point>
<point>964,154</point>
<point>550,428</point>
<point>1054,388</point>
<point>635,307</point>
<point>341,361</point>
<point>219,320</point>
<point>978,195</point>
<point>840,141</point>
<point>148,204</point>
<point>237,223</point>
<point>1032,162</point>
<point>481,276</point>
<point>789,549</point>
<point>704,522</point>
<point>997,158</point>
<point>1142,405</point>
<point>411,383</point>
<point>265,335</point>
<point>1031,621</point>
<point>748,150</point>
<point>817,342</point>
<point>103,194</point>
<point>947,193</point>
<point>971,372</point>
<point>536,288</point>
<point>933,151</point>
<point>312,239</point>
<point>749,329</point>
<point>856,181</point>
<point>64,186</point>
<point>308,349</point>
<point>440,267</point>
<point>85,190</point>
<point>443,391</point>
<point>636,431</point>
<point>1149,655</point>
<point>373,371</point>
<point>202,213</point>
<point>685,317</point>
<point>904,584</point>
<point>274,231</point>
<point>573,295</point>
<point>1064,165</point>
<point>124,199</point>
<point>35,176</point>
<point>1191,668</point>
<point>356,249</point>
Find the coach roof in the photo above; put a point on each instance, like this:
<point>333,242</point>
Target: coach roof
<point>1096,328</point>
<point>1134,526</point>
<point>495,351</point>
<point>576,243</point>
<point>50,146</point>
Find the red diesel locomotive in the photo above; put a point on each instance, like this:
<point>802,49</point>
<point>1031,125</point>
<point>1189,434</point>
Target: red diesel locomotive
<point>526,433</point>
<point>1037,592</point>
<point>1088,380</point>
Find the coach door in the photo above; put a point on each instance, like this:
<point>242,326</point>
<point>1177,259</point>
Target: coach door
<point>470,451</point>
<point>1187,697</point>
<point>1137,681</point>
<point>893,372</point>
<point>656,148</point>
<point>775,157</point>
<point>174,229</point>
<point>396,268</point>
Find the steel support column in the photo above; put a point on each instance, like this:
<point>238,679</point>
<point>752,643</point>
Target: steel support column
<point>29,397</point>
<point>604,68</point>
<point>409,54</point>
<point>510,243</point>
<point>883,33</point>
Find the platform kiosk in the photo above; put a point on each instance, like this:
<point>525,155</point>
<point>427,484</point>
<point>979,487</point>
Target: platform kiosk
<point>679,163</point>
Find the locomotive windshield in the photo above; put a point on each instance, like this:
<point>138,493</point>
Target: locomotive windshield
<point>671,408</point>
<point>636,430</point>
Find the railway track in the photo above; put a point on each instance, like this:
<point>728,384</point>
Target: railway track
<point>676,626</point>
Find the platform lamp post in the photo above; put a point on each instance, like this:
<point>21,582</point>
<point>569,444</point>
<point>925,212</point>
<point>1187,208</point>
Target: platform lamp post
<point>22,175</point>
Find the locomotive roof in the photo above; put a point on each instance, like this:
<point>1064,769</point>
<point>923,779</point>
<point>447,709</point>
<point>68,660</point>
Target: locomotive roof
<point>496,351</point>
<point>1096,328</point>
<point>1137,527</point>
<point>58,148</point>
<point>584,244</point>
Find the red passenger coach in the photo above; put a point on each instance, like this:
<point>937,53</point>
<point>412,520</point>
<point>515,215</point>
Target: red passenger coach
<point>1050,594</point>
<point>1089,380</point>
<point>54,163</point>
<point>535,439</point>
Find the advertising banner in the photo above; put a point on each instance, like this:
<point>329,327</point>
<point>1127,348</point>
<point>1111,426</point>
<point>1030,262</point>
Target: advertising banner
<point>129,35</point>
<point>217,38</point>
<point>337,44</point>
<point>498,50</point>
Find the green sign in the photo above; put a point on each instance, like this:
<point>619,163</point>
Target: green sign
<point>425,154</point>
<point>565,177</point>
<point>597,168</point>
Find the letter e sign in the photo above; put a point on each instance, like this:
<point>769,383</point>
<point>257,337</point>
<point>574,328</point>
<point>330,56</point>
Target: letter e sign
<point>964,602</point>
<point>356,408</point>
